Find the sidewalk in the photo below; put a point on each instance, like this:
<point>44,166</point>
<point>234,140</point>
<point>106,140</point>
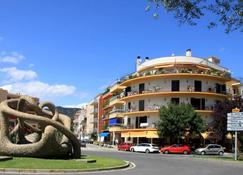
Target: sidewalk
<point>92,147</point>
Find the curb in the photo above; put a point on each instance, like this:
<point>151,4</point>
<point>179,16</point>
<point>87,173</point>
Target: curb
<point>13,170</point>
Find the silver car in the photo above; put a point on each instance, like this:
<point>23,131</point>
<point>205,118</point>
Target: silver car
<point>211,149</point>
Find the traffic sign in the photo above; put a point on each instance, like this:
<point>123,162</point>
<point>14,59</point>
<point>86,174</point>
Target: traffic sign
<point>235,121</point>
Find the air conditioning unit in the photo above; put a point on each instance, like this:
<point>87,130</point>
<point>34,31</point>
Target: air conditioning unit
<point>143,125</point>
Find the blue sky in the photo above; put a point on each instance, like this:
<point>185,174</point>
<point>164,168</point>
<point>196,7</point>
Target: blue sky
<point>67,51</point>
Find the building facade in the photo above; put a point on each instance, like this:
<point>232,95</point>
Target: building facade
<point>86,121</point>
<point>103,117</point>
<point>79,123</point>
<point>135,100</point>
<point>92,118</point>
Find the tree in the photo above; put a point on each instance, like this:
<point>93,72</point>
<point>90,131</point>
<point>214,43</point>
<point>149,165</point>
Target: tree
<point>175,120</point>
<point>220,115</point>
<point>228,13</point>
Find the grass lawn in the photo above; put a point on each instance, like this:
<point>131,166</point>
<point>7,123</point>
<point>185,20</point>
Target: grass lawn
<point>33,163</point>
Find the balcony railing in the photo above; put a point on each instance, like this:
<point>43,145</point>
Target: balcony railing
<point>157,107</point>
<point>118,110</point>
<point>189,89</point>
<point>140,126</point>
<point>177,71</point>
<point>115,98</point>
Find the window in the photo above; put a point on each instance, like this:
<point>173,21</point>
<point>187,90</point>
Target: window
<point>175,85</point>
<point>175,101</point>
<point>143,119</point>
<point>141,88</point>
<point>210,146</point>
<point>140,120</point>
<point>220,88</point>
<point>224,89</point>
<point>198,86</point>
<point>141,105</point>
<point>128,121</point>
<point>198,103</point>
<point>128,89</point>
<point>129,105</point>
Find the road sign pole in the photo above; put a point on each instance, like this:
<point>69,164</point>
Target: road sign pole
<point>235,145</point>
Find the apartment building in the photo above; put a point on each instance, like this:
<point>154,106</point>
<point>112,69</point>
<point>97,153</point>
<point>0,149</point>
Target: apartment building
<point>86,121</point>
<point>79,123</point>
<point>92,118</point>
<point>135,100</point>
<point>103,116</point>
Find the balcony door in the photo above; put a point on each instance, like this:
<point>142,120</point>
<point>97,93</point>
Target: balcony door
<point>175,85</point>
<point>198,86</point>
<point>141,105</point>
<point>141,88</point>
<point>140,120</point>
<point>128,89</point>
<point>198,103</point>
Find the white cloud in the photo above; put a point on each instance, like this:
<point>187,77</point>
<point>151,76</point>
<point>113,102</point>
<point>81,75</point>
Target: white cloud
<point>13,57</point>
<point>13,74</point>
<point>40,89</point>
<point>76,106</point>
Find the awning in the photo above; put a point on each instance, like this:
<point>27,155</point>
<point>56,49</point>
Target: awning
<point>104,134</point>
<point>146,134</point>
<point>152,134</point>
<point>209,135</point>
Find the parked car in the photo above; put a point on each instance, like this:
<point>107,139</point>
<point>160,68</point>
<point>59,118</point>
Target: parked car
<point>82,143</point>
<point>124,146</point>
<point>145,147</point>
<point>210,149</point>
<point>176,148</point>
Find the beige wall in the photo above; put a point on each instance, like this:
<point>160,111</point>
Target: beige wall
<point>91,115</point>
<point>165,84</point>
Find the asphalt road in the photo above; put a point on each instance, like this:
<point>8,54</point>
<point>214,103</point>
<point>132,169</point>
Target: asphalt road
<point>160,164</point>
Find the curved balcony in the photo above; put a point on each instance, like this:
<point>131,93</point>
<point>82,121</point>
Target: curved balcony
<point>135,95</point>
<point>116,113</point>
<point>156,111</point>
<point>215,76</point>
<point>115,101</point>
<point>116,88</point>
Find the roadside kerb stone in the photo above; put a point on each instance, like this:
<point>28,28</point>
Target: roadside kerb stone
<point>13,170</point>
<point>5,158</point>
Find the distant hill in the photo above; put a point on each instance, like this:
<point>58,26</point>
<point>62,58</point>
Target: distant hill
<point>68,111</point>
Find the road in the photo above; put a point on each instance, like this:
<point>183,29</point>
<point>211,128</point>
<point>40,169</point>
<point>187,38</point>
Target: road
<point>160,164</point>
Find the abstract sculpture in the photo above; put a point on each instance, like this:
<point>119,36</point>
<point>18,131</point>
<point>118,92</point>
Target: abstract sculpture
<point>40,140</point>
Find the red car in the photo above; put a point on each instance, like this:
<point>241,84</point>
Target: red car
<point>124,146</point>
<point>176,148</point>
